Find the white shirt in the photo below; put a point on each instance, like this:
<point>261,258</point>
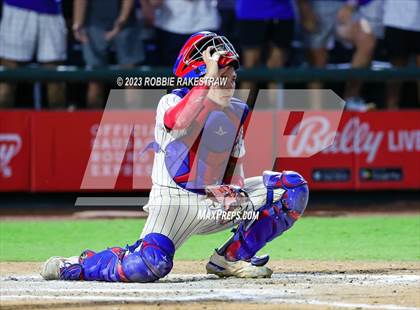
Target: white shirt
<point>402,14</point>
<point>187,16</point>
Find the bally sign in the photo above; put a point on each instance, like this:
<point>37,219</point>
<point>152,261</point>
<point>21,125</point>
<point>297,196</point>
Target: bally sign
<point>385,141</point>
<point>354,137</point>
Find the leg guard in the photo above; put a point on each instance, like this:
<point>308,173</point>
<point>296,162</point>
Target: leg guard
<point>147,260</point>
<point>102,266</point>
<point>274,218</point>
<point>71,272</point>
<point>153,261</point>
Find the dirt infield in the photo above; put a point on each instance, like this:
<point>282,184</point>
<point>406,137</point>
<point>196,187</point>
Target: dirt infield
<point>294,285</point>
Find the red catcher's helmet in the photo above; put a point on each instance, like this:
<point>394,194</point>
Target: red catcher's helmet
<point>190,63</point>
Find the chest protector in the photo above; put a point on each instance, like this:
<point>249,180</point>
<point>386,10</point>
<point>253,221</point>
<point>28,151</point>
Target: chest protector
<point>200,158</point>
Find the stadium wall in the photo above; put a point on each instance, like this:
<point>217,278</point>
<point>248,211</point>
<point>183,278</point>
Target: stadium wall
<point>53,151</point>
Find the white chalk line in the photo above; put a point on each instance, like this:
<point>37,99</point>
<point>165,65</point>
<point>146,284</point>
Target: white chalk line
<point>360,278</point>
<point>374,278</point>
<point>178,290</point>
<point>151,290</point>
<point>217,298</point>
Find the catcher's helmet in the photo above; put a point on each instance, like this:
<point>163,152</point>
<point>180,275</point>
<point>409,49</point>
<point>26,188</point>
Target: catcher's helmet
<point>190,63</point>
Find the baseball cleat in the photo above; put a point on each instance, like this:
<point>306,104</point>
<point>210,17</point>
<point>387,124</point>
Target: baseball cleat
<point>221,267</point>
<point>62,268</point>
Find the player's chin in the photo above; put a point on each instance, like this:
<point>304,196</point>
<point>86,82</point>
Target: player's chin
<point>225,100</point>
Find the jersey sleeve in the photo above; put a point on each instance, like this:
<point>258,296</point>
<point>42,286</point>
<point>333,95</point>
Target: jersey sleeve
<point>193,108</point>
<point>239,146</point>
<point>166,102</point>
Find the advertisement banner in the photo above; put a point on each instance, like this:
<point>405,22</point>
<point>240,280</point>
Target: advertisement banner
<point>389,153</point>
<point>85,151</point>
<point>105,151</point>
<point>330,167</point>
<point>375,150</point>
<point>15,144</point>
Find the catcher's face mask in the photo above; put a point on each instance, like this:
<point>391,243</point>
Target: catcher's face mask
<point>190,63</point>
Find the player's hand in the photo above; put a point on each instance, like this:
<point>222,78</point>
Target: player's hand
<point>211,59</point>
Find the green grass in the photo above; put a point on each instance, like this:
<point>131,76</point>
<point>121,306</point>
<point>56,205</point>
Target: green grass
<point>348,238</point>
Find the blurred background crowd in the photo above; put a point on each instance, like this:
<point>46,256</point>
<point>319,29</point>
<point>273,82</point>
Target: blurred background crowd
<point>266,33</point>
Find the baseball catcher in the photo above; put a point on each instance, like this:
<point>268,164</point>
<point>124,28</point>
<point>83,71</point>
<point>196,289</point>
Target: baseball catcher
<point>198,179</point>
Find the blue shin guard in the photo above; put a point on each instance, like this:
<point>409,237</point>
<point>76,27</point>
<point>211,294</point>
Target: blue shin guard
<point>147,260</point>
<point>275,217</point>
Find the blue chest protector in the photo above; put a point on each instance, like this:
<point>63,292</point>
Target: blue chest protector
<point>200,158</point>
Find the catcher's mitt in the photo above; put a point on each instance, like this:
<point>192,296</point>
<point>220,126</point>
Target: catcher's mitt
<point>229,196</point>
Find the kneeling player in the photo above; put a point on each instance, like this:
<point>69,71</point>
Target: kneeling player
<point>197,170</point>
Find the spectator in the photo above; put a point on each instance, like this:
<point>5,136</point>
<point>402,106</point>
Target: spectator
<point>265,25</point>
<point>228,20</point>
<point>148,8</point>
<point>358,24</point>
<point>99,24</point>
<point>402,39</point>
<point>175,21</point>
<point>319,36</point>
<point>30,27</point>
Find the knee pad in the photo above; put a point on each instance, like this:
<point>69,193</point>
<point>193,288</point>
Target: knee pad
<point>152,261</point>
<point>296,195</point>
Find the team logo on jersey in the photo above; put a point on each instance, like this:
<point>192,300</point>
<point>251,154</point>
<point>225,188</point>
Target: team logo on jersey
<point>220,132</point>
<point>10,145</point>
